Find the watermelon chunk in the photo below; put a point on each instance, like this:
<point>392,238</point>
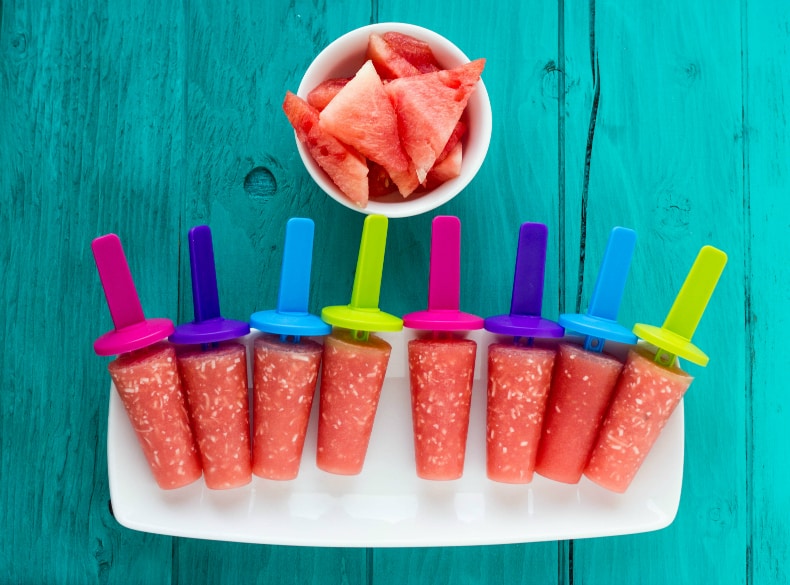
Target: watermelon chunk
<point>323,93</point>
<point>361,115</point>
<point>448,168</point>
<point>441,372</point>
<point>379,182</point>
<point>415,51</point>
<point>346,167</point>
<point>388,63</point>
<point>428,107</point>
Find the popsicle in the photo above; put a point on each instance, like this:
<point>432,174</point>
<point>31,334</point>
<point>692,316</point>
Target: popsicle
<point>652,384</point>
<point>584,377</point>
<point>286,362</point>
<point>355,361</point>
<point>213,369</point>
<point>145,373</point>
<point>519,373</point>
<point>441,365</point>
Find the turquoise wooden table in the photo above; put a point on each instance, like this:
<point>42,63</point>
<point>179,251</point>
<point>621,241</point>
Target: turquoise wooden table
<point>669,117</point>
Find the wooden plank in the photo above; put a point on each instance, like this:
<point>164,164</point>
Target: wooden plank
<point>766,60</point>
<point>517,183</point>
<point>91,143</point>
<point>245,179</point>
<point>654,145</point>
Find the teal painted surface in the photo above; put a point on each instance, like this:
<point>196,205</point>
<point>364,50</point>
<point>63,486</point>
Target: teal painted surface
<point>669,117</point>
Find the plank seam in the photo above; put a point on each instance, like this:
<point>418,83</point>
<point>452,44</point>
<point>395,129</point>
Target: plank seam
<point>747,283</point>
<point>596,79</point>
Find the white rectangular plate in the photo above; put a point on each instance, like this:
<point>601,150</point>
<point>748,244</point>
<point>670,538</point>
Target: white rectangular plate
<point>387,505</point>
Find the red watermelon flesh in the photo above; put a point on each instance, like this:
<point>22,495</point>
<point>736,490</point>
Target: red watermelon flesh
<point>323,93</point>
<point>448,168</point>
<point>415,51</point>
<point>455,137</point>
<point>379,182</point>
<point>361,115</point>
<point>388,63</point>
<point>346,167</point>
<point>428,108</point>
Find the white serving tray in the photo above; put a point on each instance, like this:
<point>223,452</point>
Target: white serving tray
<point>387,505</point>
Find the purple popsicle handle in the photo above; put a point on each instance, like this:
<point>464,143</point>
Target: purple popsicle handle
<point>205,296</point>
<point>116,279</point>
<point>529,275</point>
<point>444,281</point>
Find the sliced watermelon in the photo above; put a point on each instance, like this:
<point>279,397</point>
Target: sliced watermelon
<point>448,168</point>
<point>361,115</point>
<point>323,93</point>
<point>379,182</point>
<point>428,108</point>
<point>346,167</point>
<point>388,63</point>
<point>455,137</point>
<point>415,51</point>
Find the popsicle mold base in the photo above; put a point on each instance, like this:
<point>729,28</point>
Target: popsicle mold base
<point>387,505</point>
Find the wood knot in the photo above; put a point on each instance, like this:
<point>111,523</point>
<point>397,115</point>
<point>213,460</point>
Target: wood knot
<point>260,184</point>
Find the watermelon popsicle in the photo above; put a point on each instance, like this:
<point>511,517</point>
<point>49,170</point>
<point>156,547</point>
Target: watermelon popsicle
<point>145,373</point>
<point>286,363</point>
<point>519,373</point>
<point>213,368</point>
<point>652,384</point>
<point>441,365</point>
<point>584,377</point>
<point>355,361</point>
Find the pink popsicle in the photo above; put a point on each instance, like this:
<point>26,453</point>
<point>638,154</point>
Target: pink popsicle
<point>442,363</point>
<point>441,374</point>
<point>149,386</point>
<point>145,373</point>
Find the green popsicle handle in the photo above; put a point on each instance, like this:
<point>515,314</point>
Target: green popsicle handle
<point>370,264</point>
<point>362,314</point>
<point>673,339</point>
<point>686,311</point>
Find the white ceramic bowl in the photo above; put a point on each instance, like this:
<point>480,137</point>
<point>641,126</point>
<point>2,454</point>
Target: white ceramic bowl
<point>343,58</point>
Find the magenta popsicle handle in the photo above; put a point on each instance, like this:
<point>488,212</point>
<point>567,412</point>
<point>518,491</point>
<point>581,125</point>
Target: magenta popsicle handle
<point>116,279</point>
<point>444,280</point>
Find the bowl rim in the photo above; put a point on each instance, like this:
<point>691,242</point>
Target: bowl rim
<point>335,60</point>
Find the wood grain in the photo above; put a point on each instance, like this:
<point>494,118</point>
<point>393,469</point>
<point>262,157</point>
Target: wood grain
<point>766,209</point>
<point>93,134</point>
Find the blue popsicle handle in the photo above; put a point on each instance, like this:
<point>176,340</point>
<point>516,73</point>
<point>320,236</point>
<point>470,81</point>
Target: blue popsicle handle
<point>297,261</point>
<point>205,296</point>
<point>613,273</point>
